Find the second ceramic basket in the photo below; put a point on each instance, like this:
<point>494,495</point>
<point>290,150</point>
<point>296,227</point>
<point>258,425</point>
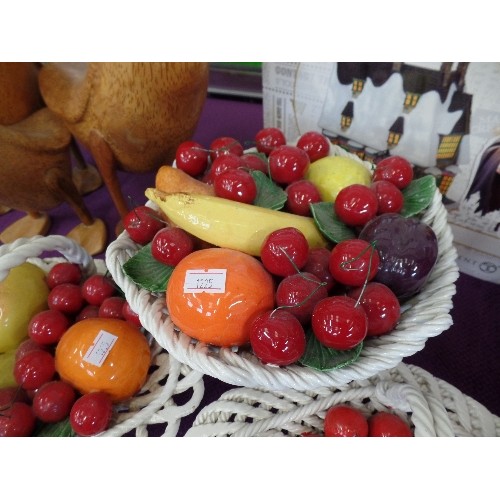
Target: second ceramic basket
<point>154,403</point>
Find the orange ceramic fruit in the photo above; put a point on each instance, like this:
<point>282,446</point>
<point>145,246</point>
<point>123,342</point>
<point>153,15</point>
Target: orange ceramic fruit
<point>215,309</point>
<point>104,354</point>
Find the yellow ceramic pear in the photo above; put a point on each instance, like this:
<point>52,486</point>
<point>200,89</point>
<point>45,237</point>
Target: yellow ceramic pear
<point>23,293</point>
<point>333,173</point>
<point>7,361</point>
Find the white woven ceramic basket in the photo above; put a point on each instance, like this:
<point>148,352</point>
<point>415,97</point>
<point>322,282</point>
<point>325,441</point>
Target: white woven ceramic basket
<point>425,315</point>
<point>154,404</point>
<point>432,408</point>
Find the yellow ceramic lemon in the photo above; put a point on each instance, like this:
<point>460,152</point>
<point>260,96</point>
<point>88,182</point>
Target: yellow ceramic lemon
<point>332,173</point>
<point>23,293</point>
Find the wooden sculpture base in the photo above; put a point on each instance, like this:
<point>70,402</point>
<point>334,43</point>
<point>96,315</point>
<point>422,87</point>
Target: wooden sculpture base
<point>92,237</point>
<point>26,227</point>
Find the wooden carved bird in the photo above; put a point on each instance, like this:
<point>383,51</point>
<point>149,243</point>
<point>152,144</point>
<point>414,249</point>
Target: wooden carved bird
<point>19,94</point>
<point>130,116</point>
<point>35,158</point>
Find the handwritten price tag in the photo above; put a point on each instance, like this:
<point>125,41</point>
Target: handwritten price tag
<point>205,280</point>
<point>99,350</point>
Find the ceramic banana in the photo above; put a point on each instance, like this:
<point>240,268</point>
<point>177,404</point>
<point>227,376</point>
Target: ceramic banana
<point>230,224</point>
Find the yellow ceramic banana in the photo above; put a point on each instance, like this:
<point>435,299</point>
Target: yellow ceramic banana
<point>230,224</point>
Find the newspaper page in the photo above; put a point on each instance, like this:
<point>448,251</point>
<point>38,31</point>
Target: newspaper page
<point>298,97</point>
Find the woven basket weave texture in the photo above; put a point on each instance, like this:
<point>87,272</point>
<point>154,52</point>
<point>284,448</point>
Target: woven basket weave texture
<point>432,407</point>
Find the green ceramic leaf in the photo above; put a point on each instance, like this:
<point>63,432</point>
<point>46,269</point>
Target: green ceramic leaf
<point>59,429</point>
<point>145,271</point>
<point>322,358</point>
<point>269,194</point>
<point>418,195</point>
<point>329,224</point>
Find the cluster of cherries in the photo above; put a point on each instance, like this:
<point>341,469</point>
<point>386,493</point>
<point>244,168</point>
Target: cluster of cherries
<point>330,290</point>
<point>227,166</point>
<point>40,396</point>
<point>345,420</point>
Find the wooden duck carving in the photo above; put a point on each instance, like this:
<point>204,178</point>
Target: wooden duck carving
<point>36,172</point>
<point>19,93</point>
<point>36,176</point>
<point>130,116</point>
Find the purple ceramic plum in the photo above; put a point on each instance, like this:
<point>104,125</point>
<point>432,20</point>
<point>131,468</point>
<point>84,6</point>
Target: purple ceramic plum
<point>408,250</point>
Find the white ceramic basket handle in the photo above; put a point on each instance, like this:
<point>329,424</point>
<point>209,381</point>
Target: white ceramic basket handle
<point>19,251</point>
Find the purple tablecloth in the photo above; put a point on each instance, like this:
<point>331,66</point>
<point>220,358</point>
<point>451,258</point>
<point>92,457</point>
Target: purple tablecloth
<point>467,355</point>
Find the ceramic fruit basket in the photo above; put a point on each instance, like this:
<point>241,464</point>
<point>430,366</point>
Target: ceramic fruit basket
<point>430,406</point>
<point>167,377</point>
<point>425,315</point>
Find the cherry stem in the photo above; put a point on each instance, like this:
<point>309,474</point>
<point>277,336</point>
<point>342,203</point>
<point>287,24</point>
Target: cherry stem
<point>290,259</point>
<point>9,405</point>
<point>227,147</point>
<point>372,250</point>
<point>288,306</point>
<point>136,223</point>
<point>198,148</point>
<point>344,265</point>
<point>320,284</point>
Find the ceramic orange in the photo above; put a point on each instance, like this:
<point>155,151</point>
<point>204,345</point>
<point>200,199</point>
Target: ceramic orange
<point>104,354</point>
<point>200,309</point>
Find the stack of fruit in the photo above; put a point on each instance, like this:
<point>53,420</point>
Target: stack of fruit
<point>284,250</point>
<point>72,349</point>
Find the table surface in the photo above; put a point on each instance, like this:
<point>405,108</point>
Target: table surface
<point>466,355</point>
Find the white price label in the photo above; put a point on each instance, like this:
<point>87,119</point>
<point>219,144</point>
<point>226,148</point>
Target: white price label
<point>205,280</point>
<point>99,350</point>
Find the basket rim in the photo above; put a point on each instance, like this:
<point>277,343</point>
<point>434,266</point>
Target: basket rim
<point>426,315</point>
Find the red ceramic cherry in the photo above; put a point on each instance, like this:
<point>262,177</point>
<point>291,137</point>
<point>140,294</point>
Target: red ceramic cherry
<point>288,164</point>
<point>315,144</point>
<point>284,251</point>
<point>381,307</point>
<point>269,138</point>
<point>299,293</point>
<point>277,337</point>
<point>338,323</point>
<point>142,223</point>
<point>353,262</point>
<point>395,169</point>
<point>171,244</point>
<point>191,158</point>
<point>301,194</point>
<point>345,421</point>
